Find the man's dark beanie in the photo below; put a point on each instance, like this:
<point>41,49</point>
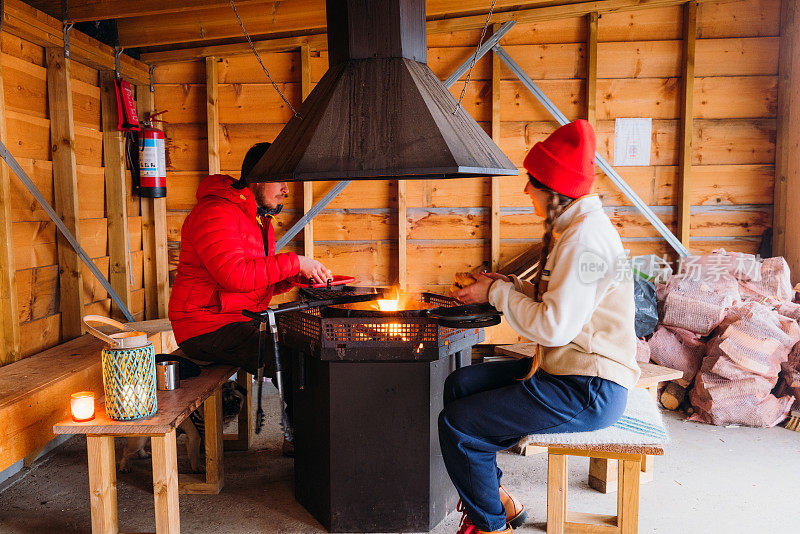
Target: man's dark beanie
<point>250,159</point>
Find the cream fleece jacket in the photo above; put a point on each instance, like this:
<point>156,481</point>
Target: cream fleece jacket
<point>584,323</point>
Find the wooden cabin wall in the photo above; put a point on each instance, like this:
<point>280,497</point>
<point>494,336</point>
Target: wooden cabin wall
<point>448,221</point>
<point>27,118</point>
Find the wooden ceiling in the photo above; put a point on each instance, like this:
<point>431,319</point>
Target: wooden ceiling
<point>163,25</point>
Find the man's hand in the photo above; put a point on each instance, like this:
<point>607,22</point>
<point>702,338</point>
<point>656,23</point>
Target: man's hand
<point>313,270</point>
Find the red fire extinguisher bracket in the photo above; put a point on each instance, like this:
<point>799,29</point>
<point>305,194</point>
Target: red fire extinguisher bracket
<point>127,119</point>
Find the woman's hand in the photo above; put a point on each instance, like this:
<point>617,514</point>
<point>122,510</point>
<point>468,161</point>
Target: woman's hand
<point>497,276</point>
<point>476,293</point>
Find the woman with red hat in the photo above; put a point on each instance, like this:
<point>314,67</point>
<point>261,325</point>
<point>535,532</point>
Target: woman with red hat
<point>579,309</point>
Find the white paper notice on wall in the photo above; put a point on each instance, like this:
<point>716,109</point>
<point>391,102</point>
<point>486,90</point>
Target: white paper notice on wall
<point>632,142</point>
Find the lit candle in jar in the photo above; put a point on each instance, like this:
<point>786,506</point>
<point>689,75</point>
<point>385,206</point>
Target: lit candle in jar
<point>82,406</point>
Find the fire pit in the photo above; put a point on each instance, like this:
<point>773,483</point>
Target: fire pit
<point>367,392</point>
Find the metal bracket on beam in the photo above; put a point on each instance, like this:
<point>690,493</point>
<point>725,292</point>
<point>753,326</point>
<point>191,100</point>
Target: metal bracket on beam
<point>34,191</point>
<point>330,195</point>
<point>601,161</point>
<point>66,29</point>
<point>152,83</point>
<point>117,53</point>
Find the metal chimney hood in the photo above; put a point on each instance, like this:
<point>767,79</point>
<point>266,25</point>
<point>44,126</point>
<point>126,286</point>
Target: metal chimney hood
<point>379,112</point>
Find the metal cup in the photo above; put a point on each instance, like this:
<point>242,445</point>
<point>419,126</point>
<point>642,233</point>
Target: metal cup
<point>167,376</point>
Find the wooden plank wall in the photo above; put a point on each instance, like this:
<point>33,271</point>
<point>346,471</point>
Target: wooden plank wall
<point>448,222</point>
<point>34,235</point>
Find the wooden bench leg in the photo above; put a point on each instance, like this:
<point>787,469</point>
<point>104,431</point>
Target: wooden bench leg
<point>628,496</point>
<point>214,477</point>
<point>556,493</point>
<point>165,483</point>
<point>102,484</point>
<point>241,441</point>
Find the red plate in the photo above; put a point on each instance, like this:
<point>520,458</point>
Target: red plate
<point>338,280</point>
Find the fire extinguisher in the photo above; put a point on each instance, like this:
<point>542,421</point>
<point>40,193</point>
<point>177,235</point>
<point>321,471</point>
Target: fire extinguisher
<point>152,159</point>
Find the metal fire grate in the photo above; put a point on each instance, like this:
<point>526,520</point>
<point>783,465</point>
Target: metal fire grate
<point>375,338</point>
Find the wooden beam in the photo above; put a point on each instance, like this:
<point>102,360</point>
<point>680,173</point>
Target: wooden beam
<point>317,41</point>
<point>687,122</point>
<point>212,114</point>
<point>308,187</point>
<point>443,17</point>
<point>65,188</point>
<point>402,236</point>
<point>786,225</point>
<point>495,195</point>
<point>9,312</point>
<point>116,193</point>
<point>591,69</point>
<point>154,234</point>
<point>27,22</point>
<point>90,10</point>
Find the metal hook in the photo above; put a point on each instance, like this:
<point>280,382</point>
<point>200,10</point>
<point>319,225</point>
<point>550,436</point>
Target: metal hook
<point>152,83</point>
<point>117,52</point>
<point>67,26</point>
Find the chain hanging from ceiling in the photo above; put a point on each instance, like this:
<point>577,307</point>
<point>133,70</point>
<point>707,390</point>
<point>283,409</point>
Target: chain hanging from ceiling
<point>258,57</point>
<point>474,56</point>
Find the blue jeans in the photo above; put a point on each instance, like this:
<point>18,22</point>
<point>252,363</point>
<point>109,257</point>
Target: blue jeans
<point>487,408</point>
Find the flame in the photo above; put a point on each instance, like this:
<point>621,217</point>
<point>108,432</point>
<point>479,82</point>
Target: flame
<point>390,304</point>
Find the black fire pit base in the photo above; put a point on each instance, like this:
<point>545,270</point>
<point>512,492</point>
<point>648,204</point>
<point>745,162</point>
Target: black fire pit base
<point>367,456</point>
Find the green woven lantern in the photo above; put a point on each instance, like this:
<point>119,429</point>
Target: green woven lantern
<point>129,371</point>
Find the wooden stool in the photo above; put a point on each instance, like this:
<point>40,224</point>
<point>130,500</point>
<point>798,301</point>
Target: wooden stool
<point>626,521</point>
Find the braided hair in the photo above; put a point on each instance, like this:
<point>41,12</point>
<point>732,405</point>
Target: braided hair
<point>555,207</point>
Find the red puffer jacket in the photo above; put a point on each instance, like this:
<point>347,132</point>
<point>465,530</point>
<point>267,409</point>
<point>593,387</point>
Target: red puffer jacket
<point>223,267</point>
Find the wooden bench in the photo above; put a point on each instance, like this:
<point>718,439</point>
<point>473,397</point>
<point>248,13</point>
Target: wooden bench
<point>638,434</point>
<point>629,461</point>
<point>34,392</point>
<point>173,408</point>
<point>603,471</point>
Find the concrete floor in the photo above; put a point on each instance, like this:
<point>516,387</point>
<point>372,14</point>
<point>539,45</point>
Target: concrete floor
<point>712,480</point>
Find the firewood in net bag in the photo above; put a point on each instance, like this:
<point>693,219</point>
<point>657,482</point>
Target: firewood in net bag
<point>775,282</point>
<point>642,350</point>
<point>741,368</point>
<point>679,349</point>
<point>683,311</point>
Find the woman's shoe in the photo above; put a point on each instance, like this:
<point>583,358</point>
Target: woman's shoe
<point>467,527</point>
<point>515,511</point>
<point>508,530</point>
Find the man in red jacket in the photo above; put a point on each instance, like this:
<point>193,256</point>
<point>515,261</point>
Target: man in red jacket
<point>228,264</point>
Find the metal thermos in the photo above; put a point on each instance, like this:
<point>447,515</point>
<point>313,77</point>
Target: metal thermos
<point>167,376</point>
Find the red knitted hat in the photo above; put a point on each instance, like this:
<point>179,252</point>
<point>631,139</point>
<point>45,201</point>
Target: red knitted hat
<point>564,162</point>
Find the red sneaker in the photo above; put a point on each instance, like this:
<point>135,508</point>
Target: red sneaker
<point>465,526</point>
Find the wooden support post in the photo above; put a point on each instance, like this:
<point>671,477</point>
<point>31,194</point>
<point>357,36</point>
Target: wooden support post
<point>65,189</point>
<point>687,122</point>
<point>787,162</point>
<point>495,207</point>
<point>116,193</point>
<point>212,114</point>
<point>9,313</point>
<point>154,234</point>
<point>165,483</point>
<point>212,409</point>
<point>102,484</point>
<point>308,187</point>
<point>556,493</point>
<point>591,69</point>
<point>402,235</point>
<point>628,497</point>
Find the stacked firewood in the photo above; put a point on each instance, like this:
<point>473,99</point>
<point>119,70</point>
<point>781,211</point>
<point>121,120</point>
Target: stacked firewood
<point>730,323</point>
